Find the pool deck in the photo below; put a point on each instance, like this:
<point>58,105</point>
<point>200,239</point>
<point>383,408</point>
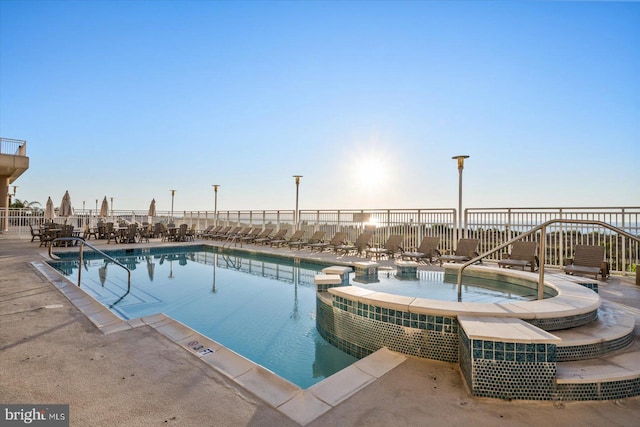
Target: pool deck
<point>139,374</point>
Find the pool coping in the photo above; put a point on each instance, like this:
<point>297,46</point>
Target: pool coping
<point>571,299</point>
<point>301,405</point>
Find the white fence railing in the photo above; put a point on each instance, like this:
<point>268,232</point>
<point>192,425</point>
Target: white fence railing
<point>492,226</point>
<point>13,147</point>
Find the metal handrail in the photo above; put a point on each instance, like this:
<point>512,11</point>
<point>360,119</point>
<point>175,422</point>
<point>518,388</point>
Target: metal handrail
<point>83,243</point>
<point>542,248</point>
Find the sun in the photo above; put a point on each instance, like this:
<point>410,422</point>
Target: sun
<point>371,171</point>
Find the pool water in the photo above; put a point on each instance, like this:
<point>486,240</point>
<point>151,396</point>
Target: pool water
<point>262,307</point>
<point>444,287</point>
<point>263,310</point>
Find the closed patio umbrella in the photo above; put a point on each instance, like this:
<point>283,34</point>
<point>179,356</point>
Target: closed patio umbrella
<point>152,208</point>
<point>104,208</point>
<point>66,209</point>
<point>49,211</point>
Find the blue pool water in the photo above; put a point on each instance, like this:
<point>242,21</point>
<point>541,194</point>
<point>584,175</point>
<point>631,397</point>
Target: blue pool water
<point>260,309</point>
<point>263,308</point>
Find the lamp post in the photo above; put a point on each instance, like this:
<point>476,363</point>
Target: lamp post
<point>215,204</point>
<point>173,193</point>
<point>460,167</point>
<point>15,187</point>
<point>295,218</point>
<point>112,207</point>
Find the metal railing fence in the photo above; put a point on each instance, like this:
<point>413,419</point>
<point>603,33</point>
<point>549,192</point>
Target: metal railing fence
<point>492,226</point>
<point>496,226</point>
<point>13,147</point>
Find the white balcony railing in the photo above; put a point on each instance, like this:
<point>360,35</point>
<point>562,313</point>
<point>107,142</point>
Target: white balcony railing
<point>13,147</point>
<point>492,226</point>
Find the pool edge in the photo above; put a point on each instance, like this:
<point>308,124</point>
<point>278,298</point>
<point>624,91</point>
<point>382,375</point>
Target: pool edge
<point>301,405</point>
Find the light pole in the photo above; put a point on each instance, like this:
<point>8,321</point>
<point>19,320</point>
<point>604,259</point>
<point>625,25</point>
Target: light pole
<point>215,204</point>
<point>15,187</point>
<point>173,193</point>
<point>112,207</point>
<point>297,177</point>
<point>460,167</point>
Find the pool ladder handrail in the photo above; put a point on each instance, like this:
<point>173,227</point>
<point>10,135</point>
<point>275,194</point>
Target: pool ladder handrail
<point>542,250</point>
<point>84,243</point>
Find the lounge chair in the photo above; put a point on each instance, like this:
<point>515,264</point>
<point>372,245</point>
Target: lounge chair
<point>261,234</point>
<point>220,233</point>
<point>249,232</point>
<point>212,232</point>
<point>427,250</point>
<point>391,247</point>
<point>266,239</point>
<point>467,249</point>
<point>588,259</point>
<point>338,239</point>
<point>315,238</point>
<point>205,231</point>
<point>523,254</point>
<point>296,237</point>
<point>232,231</point>
<point>359,246</point>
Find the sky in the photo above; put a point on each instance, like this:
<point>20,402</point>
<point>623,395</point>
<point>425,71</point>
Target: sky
<point>367,100</point>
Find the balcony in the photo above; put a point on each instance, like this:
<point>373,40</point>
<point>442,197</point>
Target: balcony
<point>13,159</point>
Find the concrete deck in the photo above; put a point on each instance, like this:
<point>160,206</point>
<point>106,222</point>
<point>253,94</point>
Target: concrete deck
<point>50,352</point>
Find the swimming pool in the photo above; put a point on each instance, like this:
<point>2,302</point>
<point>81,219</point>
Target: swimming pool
<point>262,310</point>
<point>262,307</point>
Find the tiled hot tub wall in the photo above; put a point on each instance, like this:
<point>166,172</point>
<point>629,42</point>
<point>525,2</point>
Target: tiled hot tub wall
<point>360,329</point>
<point>508,370</point>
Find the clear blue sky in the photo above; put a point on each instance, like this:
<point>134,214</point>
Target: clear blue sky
<point>369,100</point>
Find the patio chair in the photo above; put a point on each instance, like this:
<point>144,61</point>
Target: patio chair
<point>295,237</point>
<point>35,233</point>
<point>264,240</point>
<point>131,234</point>
<point>588,259</point>
<point>337,240</point>
<point>361,244</point>
<point>145,233</point>
<point>391,247</point>
<point>47,235</point>
<point>111,232</point>
<point>315,238</point>
<point>191,232</point>
<point>181,233</point>
<point>464,252</point>
<point>427,250</point>
<point>523,254</point>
